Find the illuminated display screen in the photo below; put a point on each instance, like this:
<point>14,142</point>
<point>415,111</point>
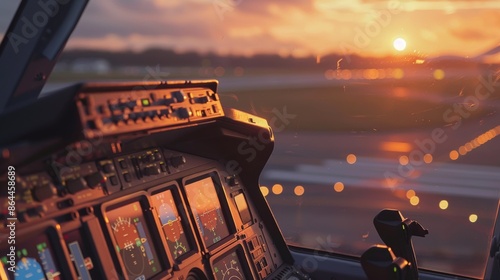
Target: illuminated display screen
<point>80,255</point>
<point>241,204</point>
<point>207,211</point>
<point>229,267</point>
<point>133,241</point>
<point>34,260</point>
<point>171,222</point>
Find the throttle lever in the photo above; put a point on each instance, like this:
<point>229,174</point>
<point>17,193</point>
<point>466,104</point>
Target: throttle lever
<point>396,232</point>
<point>379,262</point>
<point>415,228</point>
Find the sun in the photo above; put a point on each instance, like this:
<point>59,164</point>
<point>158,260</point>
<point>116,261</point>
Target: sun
<point>399,44</point>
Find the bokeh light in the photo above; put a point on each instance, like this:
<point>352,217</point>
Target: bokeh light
<point>414,200</point>
<point>299,190</point>
<point>428,158</point>
<point>264,190</point>
<point>410,194</point>
<point>454,155</point>
<point>473,218</point>
<point>443,204</point>
<point>438,74</point>
<point>338,187</point>
<point>351,159</point>
<point>403,160</point>
<point>277,189</point>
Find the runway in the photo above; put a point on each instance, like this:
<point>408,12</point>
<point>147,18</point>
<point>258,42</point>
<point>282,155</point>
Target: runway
<point>340,219</point>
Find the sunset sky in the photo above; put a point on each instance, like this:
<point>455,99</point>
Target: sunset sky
<point>287,27</point>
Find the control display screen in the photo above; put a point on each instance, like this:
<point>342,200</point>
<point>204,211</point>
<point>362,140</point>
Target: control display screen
<point>171,223</point>
<point>133,241</point>
<point>80,255</point>
<point>229,267</point>
<point>207,211</point>
<point>34,260</point>
<point>241,204</point>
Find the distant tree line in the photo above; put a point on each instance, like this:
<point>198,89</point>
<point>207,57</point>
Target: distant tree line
<point>170,58</point>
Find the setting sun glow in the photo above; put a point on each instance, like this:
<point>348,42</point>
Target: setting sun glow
<point>399,44</point>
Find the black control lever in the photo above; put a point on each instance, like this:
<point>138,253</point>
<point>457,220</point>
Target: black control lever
<point>379,262</point>
<point>396,232</point>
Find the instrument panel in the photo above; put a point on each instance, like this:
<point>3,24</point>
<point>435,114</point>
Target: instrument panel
<point>137,181</point>
<point>196,222</point>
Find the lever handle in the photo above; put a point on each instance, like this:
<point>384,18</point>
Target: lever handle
<point>379,262</point>
<point>396,232</point>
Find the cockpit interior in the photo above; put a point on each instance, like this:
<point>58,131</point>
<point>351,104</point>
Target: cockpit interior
<point>162,180</point>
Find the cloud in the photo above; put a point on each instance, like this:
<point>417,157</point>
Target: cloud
<point>129,17</point>
<point>478,26</point>
<point>194,24</point>
<point>451,5</point>
<point>471,34</point>
<point>261,7</point>
<point>283,26</point>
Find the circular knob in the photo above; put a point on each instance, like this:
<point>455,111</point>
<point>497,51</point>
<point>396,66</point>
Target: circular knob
<point>43,192</point>
<point>177,161</point>
<point>94,179</point>
<point>76,185</point>
<point>108,168</point>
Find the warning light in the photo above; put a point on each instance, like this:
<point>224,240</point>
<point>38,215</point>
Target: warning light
<point>145,102</point>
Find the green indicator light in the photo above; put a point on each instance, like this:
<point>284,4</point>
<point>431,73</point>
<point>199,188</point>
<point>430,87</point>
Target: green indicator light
<point>39,247</point>
<point>4,260</point>
<point>395,269</point>
<point>145,102</point>
<point>24,252</point>
<point>138,243</point>
<point>18,254</point>
<point>117,248</point>
<point>403,225</point>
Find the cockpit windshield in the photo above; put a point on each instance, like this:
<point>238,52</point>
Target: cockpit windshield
<point>373,104</point>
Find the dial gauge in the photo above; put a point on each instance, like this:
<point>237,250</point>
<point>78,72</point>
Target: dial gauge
<point>35,260</point>
<point>206,208</point>
<point>229,267</point>
<point>29,268</point>
<point>133,241</point>
<point>171,221</point>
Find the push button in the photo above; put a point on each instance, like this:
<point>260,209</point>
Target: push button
<point>75,185</point>
<point>94,179</point>
<point>108,168</point>
<point>151,170</point>
<point>163,167</point>
<point>127,177</point>
<point>123,164</point>
<point>177,161</point>
<point>114,180</point>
